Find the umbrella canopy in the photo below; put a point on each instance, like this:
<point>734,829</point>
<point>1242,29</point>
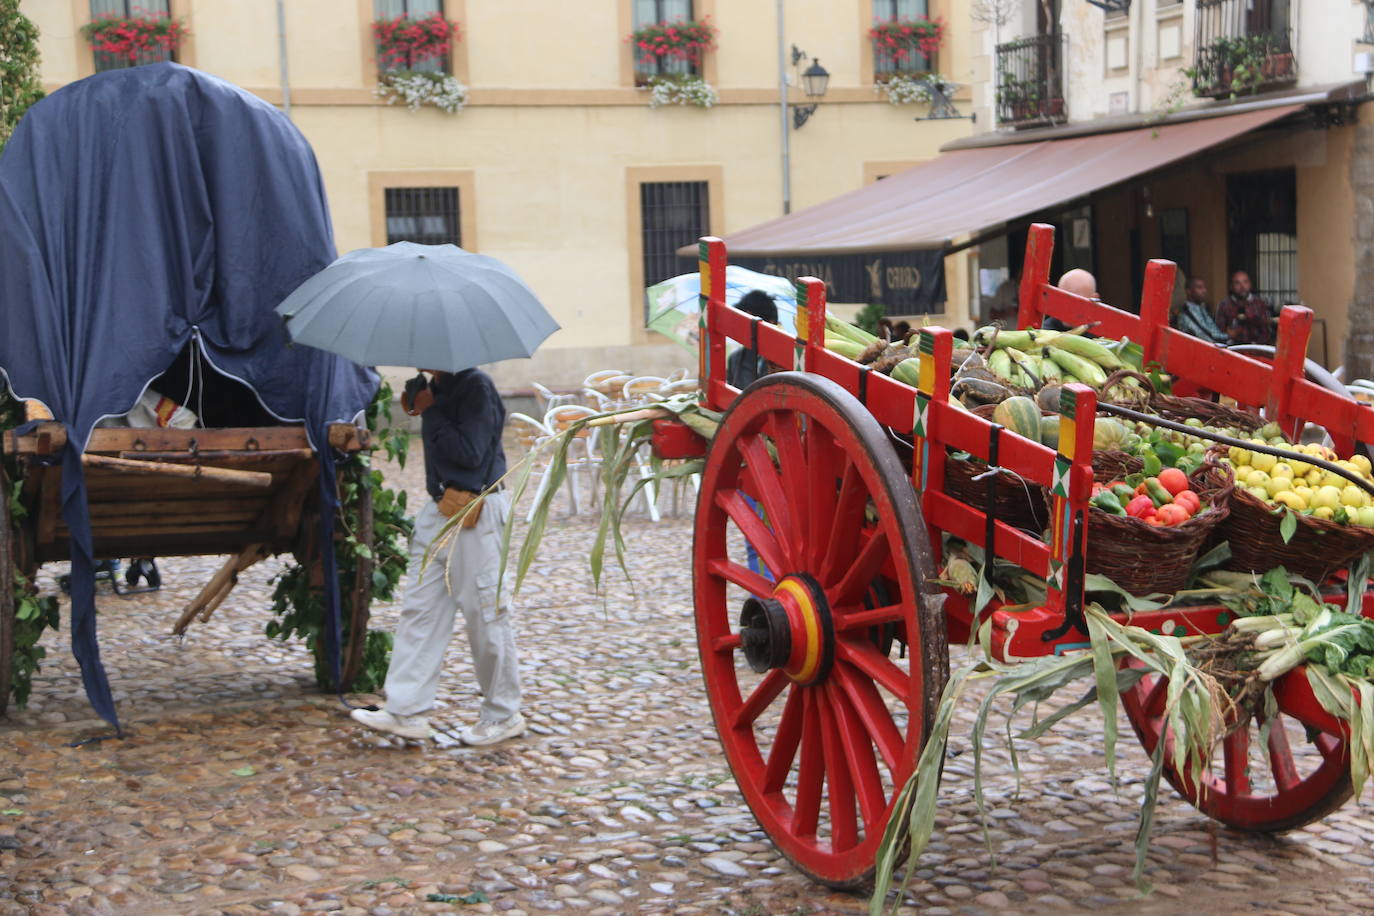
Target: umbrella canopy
<point>429,306</point>
<point>674,304</point>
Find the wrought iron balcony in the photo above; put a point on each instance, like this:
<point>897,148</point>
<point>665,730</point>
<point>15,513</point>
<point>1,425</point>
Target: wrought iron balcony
<point>1242,46</point>
<point>1030,81</point>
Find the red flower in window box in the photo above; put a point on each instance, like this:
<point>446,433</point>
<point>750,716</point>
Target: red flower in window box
<point>404,42</point>
<point>901,38</point>
<point>133,37</point>
<point>686,40</point>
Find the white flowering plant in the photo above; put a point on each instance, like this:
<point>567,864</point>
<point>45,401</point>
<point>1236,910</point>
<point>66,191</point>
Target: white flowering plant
<point>902,89</point>
<point>416,88</point>
<point>681,90</point>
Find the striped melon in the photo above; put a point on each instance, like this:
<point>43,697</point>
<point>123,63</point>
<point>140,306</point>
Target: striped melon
<point>1020,415</point>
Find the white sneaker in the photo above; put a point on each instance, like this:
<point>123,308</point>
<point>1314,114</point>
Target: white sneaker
<point>487,732</point>
<point>416,728</point>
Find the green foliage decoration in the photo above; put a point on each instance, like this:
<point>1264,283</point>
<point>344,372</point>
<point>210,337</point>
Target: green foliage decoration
<point>19,83</point>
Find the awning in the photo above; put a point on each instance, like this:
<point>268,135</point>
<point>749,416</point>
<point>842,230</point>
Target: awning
<point>965,191</point>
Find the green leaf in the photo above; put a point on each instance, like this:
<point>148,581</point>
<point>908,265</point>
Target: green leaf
<point>243,771</point>
<point>1288,526</point>
<point>1152,464</point>
<point>12,811</point>
<point>465,899</point>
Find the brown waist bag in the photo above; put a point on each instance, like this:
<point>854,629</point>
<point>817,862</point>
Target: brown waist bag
<point>455,501</point>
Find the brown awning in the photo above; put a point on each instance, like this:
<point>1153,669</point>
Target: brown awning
<point>968,190</point>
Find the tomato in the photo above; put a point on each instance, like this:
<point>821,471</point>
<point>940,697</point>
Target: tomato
<point>1188,500</point>
<point>1173,480</point>
<point>1138,506</point>
<point>1172,514</point>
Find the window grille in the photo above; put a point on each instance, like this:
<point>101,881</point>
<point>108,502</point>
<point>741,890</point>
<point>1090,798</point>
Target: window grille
<point>650,12</point>
<point>672,214</point>
<point>128,8</point>
<point>415,9</point>
<point>884,64</point>
<point>428,216</point>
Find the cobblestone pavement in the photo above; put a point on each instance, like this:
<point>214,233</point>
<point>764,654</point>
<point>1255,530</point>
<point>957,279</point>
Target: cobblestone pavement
<point>242,790</point>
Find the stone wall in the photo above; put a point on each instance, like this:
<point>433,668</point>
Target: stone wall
<point>1359,344</point>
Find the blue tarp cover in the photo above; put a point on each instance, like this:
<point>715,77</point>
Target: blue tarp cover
<point>140,209</point>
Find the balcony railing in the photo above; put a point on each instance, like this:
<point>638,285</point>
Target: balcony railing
<point>1242,46</point>
<point>1030,81</point>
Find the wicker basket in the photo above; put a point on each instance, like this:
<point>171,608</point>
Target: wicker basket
<point>1317,548</point>
<point>1209,412</point>
<point>1021,505</point>
<point>1144,558</point>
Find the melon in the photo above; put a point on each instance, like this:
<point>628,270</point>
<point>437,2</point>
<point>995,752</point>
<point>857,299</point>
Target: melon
<point>1049,431</point>
<point>1108,434</point>
<point>1020,415</point>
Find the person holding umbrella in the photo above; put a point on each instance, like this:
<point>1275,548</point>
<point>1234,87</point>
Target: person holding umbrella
<point>437,305</point>
<point>461,418</point>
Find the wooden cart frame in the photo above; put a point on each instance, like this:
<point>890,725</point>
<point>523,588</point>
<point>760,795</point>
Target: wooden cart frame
<point>249,493</point>
<point>805,465</point>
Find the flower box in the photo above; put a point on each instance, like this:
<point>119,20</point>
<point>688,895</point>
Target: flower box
<point>676,48</point>
<point>127,41</point>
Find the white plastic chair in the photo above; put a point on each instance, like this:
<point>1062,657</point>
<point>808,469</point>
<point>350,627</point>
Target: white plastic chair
<point>549,399</point>
<point>642,389</point>
<point>581,455</point>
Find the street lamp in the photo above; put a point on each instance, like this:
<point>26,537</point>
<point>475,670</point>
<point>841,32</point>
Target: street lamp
<point>813,81</point>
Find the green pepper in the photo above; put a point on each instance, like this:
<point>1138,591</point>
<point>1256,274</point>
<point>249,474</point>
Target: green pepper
<point>1106,501</point>
<point>1158,495</point>
<point>1152,464</point>
<point>1123,493</point>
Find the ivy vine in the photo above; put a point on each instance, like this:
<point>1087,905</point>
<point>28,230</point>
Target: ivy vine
<point>299,609</point>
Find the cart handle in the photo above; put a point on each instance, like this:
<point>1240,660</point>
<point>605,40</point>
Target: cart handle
<point>1238,443</point>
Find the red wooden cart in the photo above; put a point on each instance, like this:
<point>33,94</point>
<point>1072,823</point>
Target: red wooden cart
<point>824,682</point>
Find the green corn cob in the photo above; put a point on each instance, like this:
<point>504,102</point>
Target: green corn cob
<point>847,348</point>
<point>1088,349</point>
<point>1085,369</point>
<point>999,364</point>
<point>1050,371</point>
<point>837,328</point>
<point>1029,365</point>
<point>908,372</point>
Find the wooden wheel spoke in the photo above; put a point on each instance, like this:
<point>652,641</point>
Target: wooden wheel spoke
<point>753,528</point>
<point>872,712</point>
<point>825,470</point>
<point>862,654</point>
<point>743,576</point>
<point>1156,698</point>
<point>861,574</point>
<point>858,752</point>
<point>1329,746</point>
<point>849,517</point>
<point>762,696</point>
<point>796,477</point>
<point>1281,763</point>
<point>844,827</point>
<point>1235,750</point>
<point>862,618</point>
<point>760,472</point>
<point>785,742</point>
<point>727,643</point>
<point>806,812</point>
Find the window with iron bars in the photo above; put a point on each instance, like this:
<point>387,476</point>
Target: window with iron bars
<point>100,9</point>
<point>884,64</point>
<point>672,214</point>
<point>413,9</point>
<point>428,216</point>
<point>649,12</point>
<point>1242,45</point>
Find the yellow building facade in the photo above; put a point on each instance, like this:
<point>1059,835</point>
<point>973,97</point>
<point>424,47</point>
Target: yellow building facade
<point>552,153</point>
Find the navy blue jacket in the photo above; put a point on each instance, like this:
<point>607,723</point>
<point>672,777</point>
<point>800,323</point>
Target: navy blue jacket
<point>462,433</point>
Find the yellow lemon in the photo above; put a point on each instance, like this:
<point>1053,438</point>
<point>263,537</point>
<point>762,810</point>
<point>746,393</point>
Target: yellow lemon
<point>1325,512</point>
<point>1314,477</point>
<point>1361,462</point>
<point>1353,497</point>
<point>1332,479</point>
<point>1283,469</point>
<point>1277,485</point>
<point>1263,462</point>
<point>1304,491</point>
<point>1256,478</point>
<point>1300,468</point>
<point>1330,497</point>
<point>1238,456</point>
<point>1258,493</point>
<point>1290,499</point>
<point>1365,516</point>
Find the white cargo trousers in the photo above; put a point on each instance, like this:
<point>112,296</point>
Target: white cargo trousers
<point>462,575</point>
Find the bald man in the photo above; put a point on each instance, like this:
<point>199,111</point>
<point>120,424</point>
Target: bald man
<point>1080,283</point>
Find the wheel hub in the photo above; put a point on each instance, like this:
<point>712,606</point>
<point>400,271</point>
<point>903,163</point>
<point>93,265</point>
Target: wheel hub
<point>792,630</point>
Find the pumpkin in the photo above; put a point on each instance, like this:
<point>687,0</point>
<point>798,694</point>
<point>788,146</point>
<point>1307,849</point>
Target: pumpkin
<point>1020,415</point>
<point>1108,434</point>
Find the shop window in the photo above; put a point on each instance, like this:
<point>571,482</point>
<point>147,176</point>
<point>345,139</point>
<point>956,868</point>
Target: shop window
<point>1173,237</point>
<point>1262,231</point>
<point>428,216</point>
<point>412,9</point>
<point>150,9</point>
<point>672,214</point>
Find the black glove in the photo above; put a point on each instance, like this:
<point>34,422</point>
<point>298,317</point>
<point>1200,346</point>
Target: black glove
<point>415,386</point>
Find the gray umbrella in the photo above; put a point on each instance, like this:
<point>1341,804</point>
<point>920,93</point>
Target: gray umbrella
<point>428,306</point>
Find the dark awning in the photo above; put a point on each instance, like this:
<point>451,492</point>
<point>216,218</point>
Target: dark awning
<point>968,190</point>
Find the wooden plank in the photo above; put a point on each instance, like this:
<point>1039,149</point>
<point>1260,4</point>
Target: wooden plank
<point>218,588</point>
<point>183,545</point>
<point>250,505</point>
<point>34,410</point>
<point>282,456</point>
<point>348,438</point>
<point>135,522</point>
<point>50,504</point>
<point>245,438</point>
<point>166,469</point>
<point>44,440</point>
<point>102,487</point>
<point>285,513</point>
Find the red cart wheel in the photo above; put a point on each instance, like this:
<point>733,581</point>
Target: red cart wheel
<point>821,720</point>
<point>1297,774</point>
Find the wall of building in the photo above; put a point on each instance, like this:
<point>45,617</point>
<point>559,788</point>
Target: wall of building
<point>547,152</point>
